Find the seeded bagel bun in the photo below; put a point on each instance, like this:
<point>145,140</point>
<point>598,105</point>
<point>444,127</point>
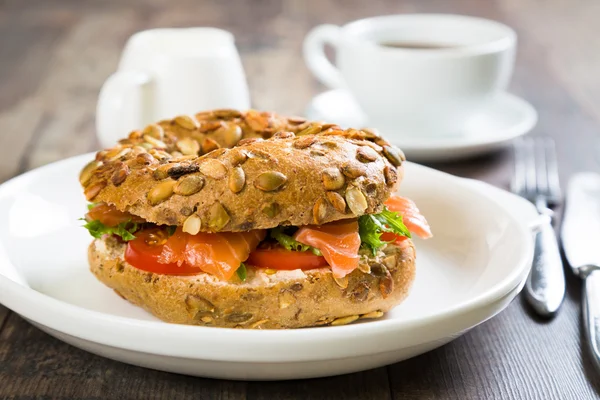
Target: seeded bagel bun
<point>268,299</point>
<point>271,177</point>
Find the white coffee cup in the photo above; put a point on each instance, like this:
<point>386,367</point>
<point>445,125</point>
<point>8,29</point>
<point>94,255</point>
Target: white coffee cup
<point>416,91</point>
<point>168,72</point>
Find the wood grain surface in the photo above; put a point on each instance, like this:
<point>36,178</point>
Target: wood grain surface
<point>55,55</point>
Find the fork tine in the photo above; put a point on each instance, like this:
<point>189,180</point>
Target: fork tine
<point>530,170</point>
<point>518,182</point>
<point>552,171</point>
<point>541,166</point>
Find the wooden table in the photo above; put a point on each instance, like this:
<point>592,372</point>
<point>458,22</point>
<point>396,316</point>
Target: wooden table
<point>54,55</point>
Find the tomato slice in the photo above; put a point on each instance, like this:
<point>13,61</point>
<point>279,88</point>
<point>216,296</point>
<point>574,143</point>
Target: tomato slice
<point>146,257</point>
<point>110,216</point>
<point>393,238</point>
<point>282,259</point>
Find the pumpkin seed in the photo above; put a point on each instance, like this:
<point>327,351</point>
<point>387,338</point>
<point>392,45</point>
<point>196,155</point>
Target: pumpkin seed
<point>210,126</point>
<point>360,292</point>
<point>341,282</point>
<point>356,200</point>
<point>142,160</point>
<point>271,210</point>
<point>386,285</point>
<point>87,171</point>
<point>218,217</point>
<point>227,113</point>
<point>185,210</point>
<point>162,172</point>
<point>120,174</point>
<point>344,320</point>
<point>161,192</point>
<point>154,130</point>
<point>213,168</point>
<point>135,135</point>
<point>189,185</point>
<point>394,155</point>
<point>320,211</point>
<point>370,133</point>
<point>256,121</point>
<point>354,170</point>
<point>92,191</point>
<point>333,179</point>
<point>192,224</point>
<point>238,157</point>
<point>156,143</point>
<point>311,130</point>
<point>372,315</point>
<point>270,181</point>
<point>179,170</point>
<point>188,146</point>
<point>317,153</point>
<point>146,145</point>
<point>238,317</point>
<point>195,304</point>
<point>364,267</point>
<point>304,142</point>
<point>337,201</point>
<point>390,261</point>
<point>248,141</point>
<point>366,154</point>
<point>231,134</point>
<point>390,175</point>
<point>209,145</point>
<point>257,324</point>
<point>187,122</point>
<point>117,153</point>
<point>296,120</point>
<point>237,179</point>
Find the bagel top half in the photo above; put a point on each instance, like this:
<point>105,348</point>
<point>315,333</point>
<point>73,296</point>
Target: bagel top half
<point>239,171</point>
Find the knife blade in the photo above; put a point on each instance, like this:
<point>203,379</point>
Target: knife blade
<point>581,239</point>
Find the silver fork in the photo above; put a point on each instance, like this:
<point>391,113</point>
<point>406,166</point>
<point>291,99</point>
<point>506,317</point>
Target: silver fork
<point>536,179</point>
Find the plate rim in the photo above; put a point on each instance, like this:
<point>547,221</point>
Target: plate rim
<point>80,318</point>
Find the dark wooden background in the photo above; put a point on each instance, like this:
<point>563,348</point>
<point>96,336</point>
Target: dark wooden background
<point>55,54</point>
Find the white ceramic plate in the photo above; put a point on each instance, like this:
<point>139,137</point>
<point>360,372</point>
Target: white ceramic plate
<point>470,270</point>
<point>506,118</point>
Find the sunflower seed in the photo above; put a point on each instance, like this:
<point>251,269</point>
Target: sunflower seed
<point>161,192</point>
<point>188,146</point>
<point>341,282</point>
<point>120,174</point>
<point>187,122</point>
<point>213,169</point>
<point>209,145</point>
<point>195,304</point>
<point>92,191</point>
<point>192,224</point>
<point>337,201</point>
<point>344,320</point>
<point>189,185</point>
<point>238,317</point>
<point>394,155</point>
<point>218,217</point>
<point>237,180</point>
<point>87,171</point>
<point>333,179</point>
<point>320,211</point>
<point>154,130</point>
<point>366,154</point>
<point>360,292</point>
<point>270,181</point>
<point>356,200</point>
<point>386,285</point>
<point>364,267</point>
<point>179,170</point>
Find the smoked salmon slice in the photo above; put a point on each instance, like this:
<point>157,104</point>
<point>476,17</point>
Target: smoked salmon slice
<point>110,216</point>
<point>338,241</point>
<point>411,216</point>
<point>219,254</point>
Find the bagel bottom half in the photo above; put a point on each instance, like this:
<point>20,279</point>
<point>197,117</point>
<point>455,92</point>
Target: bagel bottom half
<point>267,299</point>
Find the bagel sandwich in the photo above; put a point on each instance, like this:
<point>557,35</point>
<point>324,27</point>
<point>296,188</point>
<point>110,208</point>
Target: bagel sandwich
<point>252,220</point>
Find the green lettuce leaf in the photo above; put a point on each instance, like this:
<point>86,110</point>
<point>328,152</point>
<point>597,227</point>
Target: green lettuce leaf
<point>370,228</point>
<point>289,243</point>
<point>125,229</point>
<point>241,272</point>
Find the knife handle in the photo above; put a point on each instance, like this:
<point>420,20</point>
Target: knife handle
<point>591,313</point>
<point>545,287</point>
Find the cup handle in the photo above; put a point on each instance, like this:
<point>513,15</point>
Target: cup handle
<point>121,106</point>
<point>315,58</point>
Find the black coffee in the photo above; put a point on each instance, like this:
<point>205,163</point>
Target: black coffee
<point>416,45</point>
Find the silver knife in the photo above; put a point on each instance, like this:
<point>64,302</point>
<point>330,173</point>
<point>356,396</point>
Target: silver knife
<point>581,242</point>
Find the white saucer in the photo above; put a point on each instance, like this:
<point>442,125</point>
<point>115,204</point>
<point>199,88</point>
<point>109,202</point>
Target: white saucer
<point>472,268</point>
<point>506,118</point>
